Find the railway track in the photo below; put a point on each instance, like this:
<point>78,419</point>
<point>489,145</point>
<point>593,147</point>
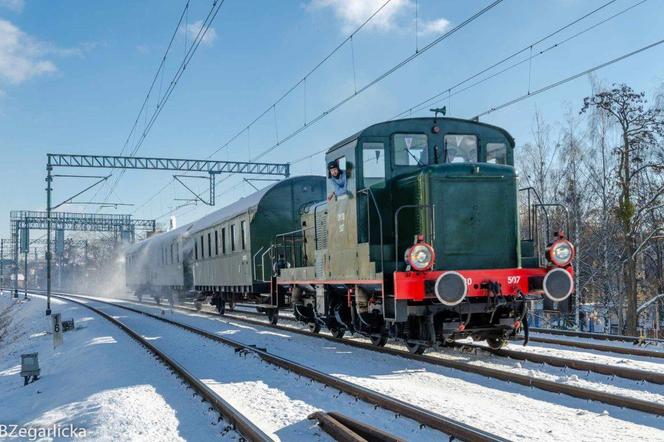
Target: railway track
<point>579,344</point>
<point>451,427</point>
<point>543,384</point>
<point>239,422</point>
<point>590,335</point>
<point>575,364</point>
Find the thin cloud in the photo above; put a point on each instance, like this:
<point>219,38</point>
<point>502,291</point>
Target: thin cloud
<point>433,27</point>
<point>13,5</point>
<point>192,30</point>
<point>353,13</point>
<point>23,57</point>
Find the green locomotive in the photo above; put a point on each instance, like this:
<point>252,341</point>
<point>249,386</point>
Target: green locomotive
<point>419,240</point>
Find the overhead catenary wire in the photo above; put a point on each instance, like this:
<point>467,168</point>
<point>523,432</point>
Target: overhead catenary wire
<point>190,52</point>
<point>376,80</point>
<point>290,90</point>
<point>439,97</point>
<point>568,79</point>
<point>528,47</point>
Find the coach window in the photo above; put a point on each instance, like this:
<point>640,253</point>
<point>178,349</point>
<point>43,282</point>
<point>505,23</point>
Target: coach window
<point>195,250</point>
<point>496,153</point>
<point>223,241</point>
<point>216,242</point>
<point>232,237</point>
<point>243,234</point>
<point>202,248</point>
<point>209,244</point>
<point>373,163</point>
<point>460,149</point>
<point>172,260</point>
<point>177,252</point>
<point>410,149</point>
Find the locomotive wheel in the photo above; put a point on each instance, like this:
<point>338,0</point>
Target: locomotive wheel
<point>314,327</point>
<point>273,316</point>
<point>496,343</point>
<point>379,340</point>
<point>415,348</point>
<point>221,307</point>
<point>338,332</point>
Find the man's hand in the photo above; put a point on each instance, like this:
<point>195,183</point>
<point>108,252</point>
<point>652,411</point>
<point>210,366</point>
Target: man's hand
<point>330,196</point>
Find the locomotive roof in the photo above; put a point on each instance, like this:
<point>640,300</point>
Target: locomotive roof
<point>420,119</point>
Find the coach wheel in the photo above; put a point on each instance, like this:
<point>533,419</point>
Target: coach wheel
<point>198,305</point>
<point>273,316</point>
<point>496,343</point>
<point>157,300</point>
<point>231,305</point>
<point>338,332</point>
<point>415,348</point>
<point>379,340</point>
<point>260,309</point>
<point>221,307</point>
<point>171,300</point>
<point>314,327</point>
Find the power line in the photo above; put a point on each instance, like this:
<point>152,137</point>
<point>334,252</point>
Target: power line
<point>190,52</point>
<point>302,81</point>
<point>381,77</point>
<point>376,80</point>
<point>570,78</point>
<point>448,91</point>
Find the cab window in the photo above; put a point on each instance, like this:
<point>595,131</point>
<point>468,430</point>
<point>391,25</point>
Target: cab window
<point>410,149</point>
<point>460,149</point>
<point>496,153</point>
<point>373,163</point>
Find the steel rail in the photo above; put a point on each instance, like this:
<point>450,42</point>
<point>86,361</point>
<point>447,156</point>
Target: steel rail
<point>530,381</point>
<point>243,425</point>
<point>592,335</point>
<point>345,429</point>
<point>444,424</point>
<point>575,364</point>
<point>600,347</point>
<point>543,384</point>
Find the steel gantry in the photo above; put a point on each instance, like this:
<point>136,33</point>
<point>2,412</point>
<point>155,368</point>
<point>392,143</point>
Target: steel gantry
<point>26,220</point>
<point>210,167</point>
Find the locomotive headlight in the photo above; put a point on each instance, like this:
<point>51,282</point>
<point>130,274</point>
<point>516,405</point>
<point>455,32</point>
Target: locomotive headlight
<point>420,257</point>
<point>561,252</point>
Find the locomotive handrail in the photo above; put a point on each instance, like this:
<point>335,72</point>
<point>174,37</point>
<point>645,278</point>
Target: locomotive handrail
<point>293,240</point>
<point>432,207</point>
<point>253,261</point>
<point>369,193</point>
<point>263,262</point>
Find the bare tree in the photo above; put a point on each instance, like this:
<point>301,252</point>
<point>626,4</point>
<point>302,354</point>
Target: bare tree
<point>639,129</point>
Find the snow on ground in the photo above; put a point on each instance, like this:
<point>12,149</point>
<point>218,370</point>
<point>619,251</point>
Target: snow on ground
<point>275,399</point>
<point>99,380</point>
<point>615,385</point>
<point>512,411</point>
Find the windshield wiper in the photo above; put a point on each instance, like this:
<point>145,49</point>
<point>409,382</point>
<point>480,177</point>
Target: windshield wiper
<point>419,163</point>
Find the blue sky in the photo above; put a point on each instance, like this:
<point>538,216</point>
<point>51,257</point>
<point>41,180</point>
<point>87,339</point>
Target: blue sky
<point>73,75</point>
